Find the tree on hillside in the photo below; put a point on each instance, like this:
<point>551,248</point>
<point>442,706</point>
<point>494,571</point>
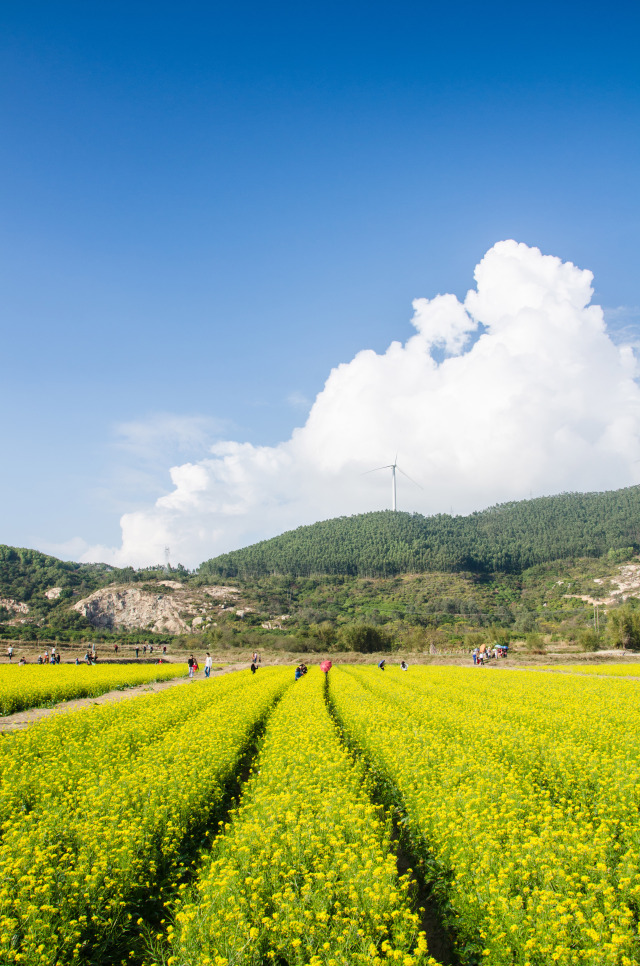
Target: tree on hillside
<point>623,627</point>
<point>364,638</point>
<point>324,635</point>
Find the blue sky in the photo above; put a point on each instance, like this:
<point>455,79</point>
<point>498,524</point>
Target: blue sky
<point>206,208</point>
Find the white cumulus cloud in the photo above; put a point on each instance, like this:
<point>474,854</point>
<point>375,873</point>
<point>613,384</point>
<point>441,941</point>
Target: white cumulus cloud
<point>517,390</point>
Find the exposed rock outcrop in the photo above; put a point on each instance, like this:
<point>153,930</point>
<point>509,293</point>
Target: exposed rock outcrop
<point>628,585</point>
<point>14,605</point>
<point>221,593</point>
<point>128,608</point>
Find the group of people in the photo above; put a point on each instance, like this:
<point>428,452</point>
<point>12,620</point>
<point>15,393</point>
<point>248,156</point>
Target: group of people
<point>403,665</point>
<point>90,656</point>
<point>144,649</point>
<point>23,659</point>
<point>483,653</point>
<point>300,671</point>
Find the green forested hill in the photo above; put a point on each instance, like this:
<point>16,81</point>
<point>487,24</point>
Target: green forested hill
<point>25,575</point>
<point>508,538</point>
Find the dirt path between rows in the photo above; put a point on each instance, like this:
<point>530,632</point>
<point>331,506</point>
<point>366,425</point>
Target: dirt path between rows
<point>22,719</point>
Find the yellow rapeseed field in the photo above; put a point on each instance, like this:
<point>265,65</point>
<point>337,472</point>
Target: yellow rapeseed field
<point>518,794</point>
<point>96,805</point>
<point>521,794</point>
<point>34,685</point>
<point>302,873</point>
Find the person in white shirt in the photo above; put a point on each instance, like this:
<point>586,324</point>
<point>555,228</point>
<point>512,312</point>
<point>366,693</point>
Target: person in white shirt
<point>207,665</point>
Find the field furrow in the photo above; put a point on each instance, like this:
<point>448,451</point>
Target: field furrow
<point>524,813</point>
<point>304,873</point>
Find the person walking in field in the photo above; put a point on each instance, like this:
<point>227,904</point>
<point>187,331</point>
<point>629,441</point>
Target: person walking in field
<point>381,664</point>
<point>207,665</point>
<point>191,662</point>
<point>10,652</point>
<point>137,652</point>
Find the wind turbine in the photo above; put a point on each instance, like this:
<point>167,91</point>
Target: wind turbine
<point>393,467</point>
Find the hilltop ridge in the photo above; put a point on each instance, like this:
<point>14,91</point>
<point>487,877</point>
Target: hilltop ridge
<point>506,538</point>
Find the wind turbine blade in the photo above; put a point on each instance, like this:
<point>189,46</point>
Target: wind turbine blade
<point>375,470</point>
<point>410,478</point>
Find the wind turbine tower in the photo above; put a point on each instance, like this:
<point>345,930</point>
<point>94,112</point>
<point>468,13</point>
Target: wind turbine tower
<point>393,467</point>
<point>393,485</point>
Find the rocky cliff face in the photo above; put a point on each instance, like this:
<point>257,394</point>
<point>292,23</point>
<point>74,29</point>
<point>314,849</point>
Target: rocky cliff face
<point>179,609</point>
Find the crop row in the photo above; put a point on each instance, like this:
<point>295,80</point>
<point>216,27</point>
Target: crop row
<point>303,873</point>
<point>34,685</point>
<point>98,806</point>
<point>521,795</point>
